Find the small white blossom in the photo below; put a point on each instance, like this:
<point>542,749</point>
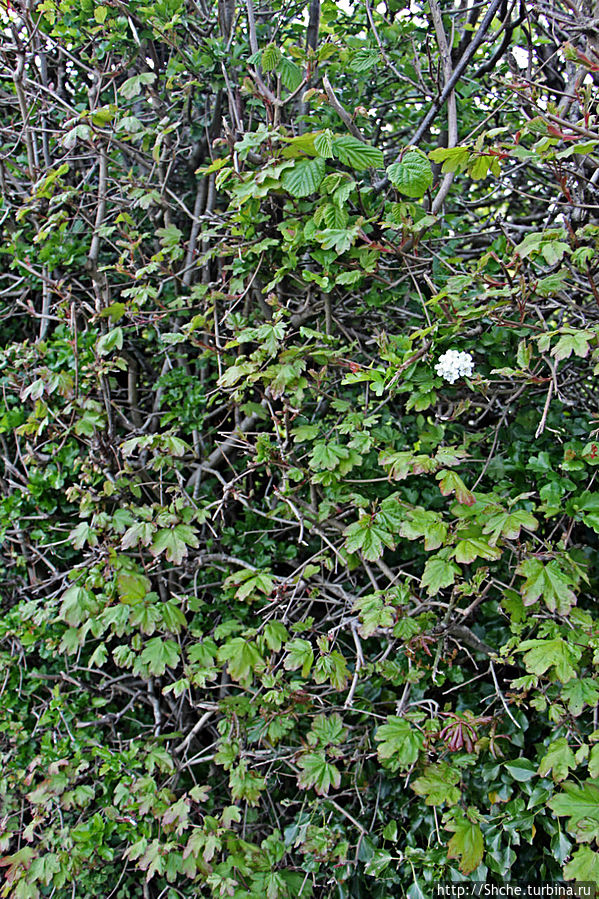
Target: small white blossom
<point>453,365</point>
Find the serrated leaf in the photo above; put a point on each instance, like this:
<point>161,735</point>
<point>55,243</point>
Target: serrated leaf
<point>438,784</point>
<point>364,59</point>
<point>352,152</point>
<point>369,537</point>
<point>580,804</point>
<point>290,72</point>
<point>243,658</point>
<point>174,542</point>
<point>270,58</point>
<point>547,581</point>
<point>159,654</point>
<point>541,655</point>
<point>467,843</point>
<point>317,772</point>
<point>323,144</point>
<point>412,175</point>
<point>583,866</point>
<point>305,177</point>
<point>558,760</point>
<point>399,741</point>
<point>438,573</point>
<point>299,655</point>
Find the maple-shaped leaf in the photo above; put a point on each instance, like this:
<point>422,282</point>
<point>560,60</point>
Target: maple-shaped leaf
<point>438,784</point>
<point>580,804</point>
<point>318,772</point>
<point>509,524</point>
<point>540,655</point>
<point>471,548</point>
<point>368,536</point>
<point>451,482</point>
<point>159,654</point>
<point>243,659</point>
<point>558,760</point>
<point>550,582</point>
<point>299,655</point>
<point>246,784</point>
<point>467,843</point>
<point>423,523</point>
<point>583,866</point>
<point>174,542</point>
<point>399,741</point>
<point>438,572</point>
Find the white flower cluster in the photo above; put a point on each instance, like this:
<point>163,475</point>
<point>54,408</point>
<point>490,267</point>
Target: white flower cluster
<point>453,365</point>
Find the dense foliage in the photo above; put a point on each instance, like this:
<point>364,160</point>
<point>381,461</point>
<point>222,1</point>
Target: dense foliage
<point>289,607</point>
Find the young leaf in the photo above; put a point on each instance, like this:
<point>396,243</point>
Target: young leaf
<point>317,772</point>
<point>305,177</point>
<point>412,175</point>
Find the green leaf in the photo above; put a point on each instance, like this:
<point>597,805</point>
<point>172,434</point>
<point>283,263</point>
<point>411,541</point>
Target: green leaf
<point>454,159</point>
<point>466,844</point>
<point>521,770</point>
<point>546,580</point>
<point>290,72</point>
<point>327,730</point>
<point>583,866</point>
<point>509,524</point>
<point>580,804</point>
<point>132,86</point>
<point>305,177</point>
<point>368,537</point>
<point>580,692</point>
<point>299,655</point>
<point>399,742</point>
<point>352,152</point>
<point>327,456</point>
<point>317,772</point>
<point>558,760</point>
<point>438,573</point>
<point>159,654</point>
<point>471,548</point>
<point>323,144</point>
<point>364,59</point>
<point>379,862</point>
<point>438,784</point>
<point>243,659</point>
<point>577,342</point>
<point>270,58</point>
<point>245,784</point>
<point>412,175</point>
<point>110,341</point>
<point>174,542</point>
<point>540,655</point>
<point>450,482</point>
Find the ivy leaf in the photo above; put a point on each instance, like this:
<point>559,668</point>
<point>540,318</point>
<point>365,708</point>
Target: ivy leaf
<point>438,784</point>
<point>466,844</point>
<point>317,772</point>
<point>159,654</point>
<point>174,541</point>
<point>558,759</point>
<point>399,741</point>
<point>305,177</point>
<point>540,655</point>
<point>438,573</point>
<point>548,581</point>
<point>299,655</point>
<point>352,152</point>
<point>412,175</point>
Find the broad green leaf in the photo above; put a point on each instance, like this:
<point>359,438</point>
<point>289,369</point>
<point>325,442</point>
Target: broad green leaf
<point>246,785</point>
<point>290,72</point>
<point>132,87</point>
<point>580,804</point>
<point>323,144</point>
<point>270,58</point>
<point>174,542</point>
<point>467,843</point>
<point>368,537</point>
<point>412,175</point>
<point>541,655</point>
<point>438,573</point>
<point>327,730</point>
<point>454,159</point>
<point>547,581</point>
<point>509,524</point>
<point>583,866</point>
<point>521,769</point>
<point>243,659</point>
<point>471,548</point>
<point>299,655</point>
<point>159,654</point>
<point>317,772</point>
<point>422,523</point>
<point>110,341</point>
<point>450,482</point>
<point>352,152</point>
<point>580,692</point>
<point>304,178</point>
<point>438,784</point>
<point>399,742</point>
<point>558,760</point>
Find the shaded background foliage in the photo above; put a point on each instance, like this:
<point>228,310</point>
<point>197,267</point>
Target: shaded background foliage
<point>283,612</point>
